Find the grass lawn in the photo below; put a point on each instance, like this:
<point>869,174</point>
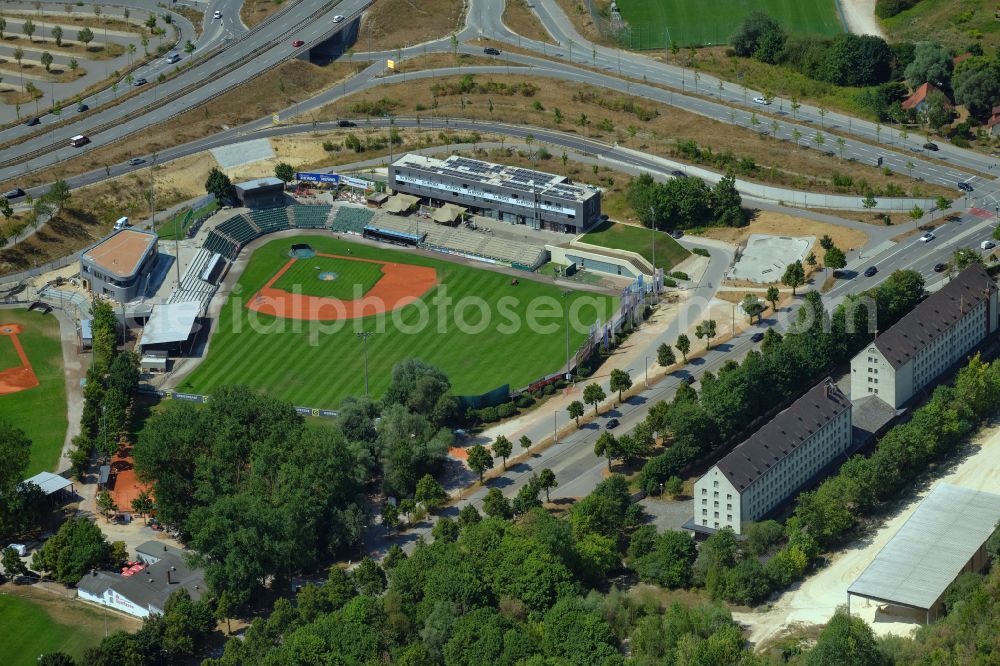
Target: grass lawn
<point>705,22</point>
<point>319,364</point>
<point>950,23</point>
<point>618,236</point>
<point>176,227</point>
<point>41,411</point>
<point>353,278</point>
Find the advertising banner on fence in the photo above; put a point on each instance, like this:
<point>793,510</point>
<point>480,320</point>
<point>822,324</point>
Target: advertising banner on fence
<point>357,182</point>
<point>309,177</point>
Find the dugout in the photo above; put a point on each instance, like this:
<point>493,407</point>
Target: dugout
<point>171,328</point>
<point>261,193</point>
<point>393,236</point>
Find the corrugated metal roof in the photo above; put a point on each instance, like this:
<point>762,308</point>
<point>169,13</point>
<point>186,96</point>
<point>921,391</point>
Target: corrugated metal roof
<point>49,482</point>
<point>782,434</point>
<point>931,547</point>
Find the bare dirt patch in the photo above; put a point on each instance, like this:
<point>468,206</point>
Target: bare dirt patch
<point>519,18</point>
<point>256,11</point>
<point>780,224</point>
<point>390,24</point>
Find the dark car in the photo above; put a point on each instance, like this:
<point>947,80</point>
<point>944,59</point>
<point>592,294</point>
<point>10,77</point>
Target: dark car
<point>965,187</point>
<point>930,146</point>
<point>678,174</point>
<point>870,271</point>
<point>489,50</point>
<point>612,424</point>
<point>31,122</point>
<point>13,194</point>
<point>139,82</point>
<point>136,161</point>
<point>345,123</point>
<point>756,337</point>
<point>940,268</point>
<point>677,233</point>
<point>689,379</point>
<point>81,108</point>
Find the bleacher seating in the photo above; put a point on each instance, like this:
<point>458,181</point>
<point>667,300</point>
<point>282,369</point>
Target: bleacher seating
<point>310,217</point>
<point>238,228</point>
<point>350,219</point>
<point>192,287</point>
<point>272,219</point>
<point>221,245</point>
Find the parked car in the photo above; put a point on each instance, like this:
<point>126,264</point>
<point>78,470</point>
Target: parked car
<point>136,161</point>
<point>930,146</point>
<point>612,424</point>
<point>489,50</point>
<point>139,82</point>
<point>940,268</point>
<point>928,237</point>
<point>81,108</point>
<point>870,271</point>
<point>31,122</point>
<point>761,100</point>
<point>345,123</point>
<point>756,337</point>
<point>987,245</point>
<point>217,14</point>
<point>677,233</point>
<point>13,194</point>
<point>338,18</point>
<point>297,43</point>
<point>965,187</point>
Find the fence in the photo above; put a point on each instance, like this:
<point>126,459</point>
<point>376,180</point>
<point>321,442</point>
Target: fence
<point>15,278</point>
<point>497,396</point>
<point>202,399</point>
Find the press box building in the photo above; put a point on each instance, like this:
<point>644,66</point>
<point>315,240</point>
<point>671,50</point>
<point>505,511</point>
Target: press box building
<point>775,462</point>
<point>118,267</point>
<point>936,334</point>
<point>512,194</point>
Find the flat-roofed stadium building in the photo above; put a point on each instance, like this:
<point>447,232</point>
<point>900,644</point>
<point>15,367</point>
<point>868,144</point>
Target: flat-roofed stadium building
<point>931,338</point>
<point>512,194</point>
<point>117,266</point>
<point>775,462</point>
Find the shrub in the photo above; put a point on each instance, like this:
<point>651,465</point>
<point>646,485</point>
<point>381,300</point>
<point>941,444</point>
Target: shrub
<point>525,401</point>
<point>506,410</point>
<point>548,389</point>
<point>679,275</point>
<point>700,251</point>
<point>669,282</point>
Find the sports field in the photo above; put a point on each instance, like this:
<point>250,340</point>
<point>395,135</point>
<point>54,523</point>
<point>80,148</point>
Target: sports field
<point>474,341</point>
<point>39,411</point>
<point>32,627</point>
<point>329,277</point>
<point>655,24</point>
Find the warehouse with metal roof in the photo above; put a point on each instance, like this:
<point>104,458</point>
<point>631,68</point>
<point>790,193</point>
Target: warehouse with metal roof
<point>944,538</point>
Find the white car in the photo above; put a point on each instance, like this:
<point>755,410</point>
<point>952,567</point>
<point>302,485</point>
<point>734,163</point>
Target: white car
<point>761,100</point>
<point>217,14</point>
<point>338,18</point>
<point>927,238</point>
<point>987,245</point>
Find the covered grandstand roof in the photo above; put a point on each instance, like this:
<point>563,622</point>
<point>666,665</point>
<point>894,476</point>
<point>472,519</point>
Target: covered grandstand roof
<point>49,482</point>
<point>931,548</point>
<point>398,203</point>
<point>258,183</point>
<point>171,322</point>
<point>448,213</point>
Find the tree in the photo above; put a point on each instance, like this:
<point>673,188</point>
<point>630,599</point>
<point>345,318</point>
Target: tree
<point>668,563</point>
<point>468,516</point>
<point>188,47</point>
<point>106,504</point>
<point>430,493</point>
<point>13,566</point>
<point>502,448</point>
<point>727,204</point>
<point>978,89</point>
<point>73,64</point>
<point>76,548</point>
<point>772,297</point>
<point>937,111</point>
<point>868,202</point>
<point>284,172</point>
<point>746,583</point>
<point>547,481</point>
<point>368,577</point>
<point>845,640</point>
<point>964,257</point>
<point>665,355</point>
<point>760,37</point>
<point>46,60</point>
<point>826,242</point>
<point>931,64</point>
<point>593,394</point>
<point>18,55</point>
<point>607,445</point>
<point>527,497</point>
<point>575,410</point>
<point>446,530</point>
<point>673,486</point>
<point>219,184</point>
<point>85,37</point>
<point>620,381</point>
<point>479,460</point>
<point>56,659</point>
<point>495,505</point>
<point>525,442</point>
<point>856,60</point>
<point>142,504</point>
<point>706,329</point>
<point>3,26</point>
<point>916,213</point>
<point>834,258</point>
<point>794,277</point>
<point>942,203</point>
<point>28,28</point>
<point>57,34</point>
<point>390,516</point>
<point>6,209</point>
<point>751,305</point>
<point>683,345</point>
<point>762,536</point>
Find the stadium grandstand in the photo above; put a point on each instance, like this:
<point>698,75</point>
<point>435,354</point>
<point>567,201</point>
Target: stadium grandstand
<point>309,217</point>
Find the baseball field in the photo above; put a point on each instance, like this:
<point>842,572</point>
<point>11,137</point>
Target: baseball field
<point>655,24</point>
<point>283,330</point>
<point>33,395</point>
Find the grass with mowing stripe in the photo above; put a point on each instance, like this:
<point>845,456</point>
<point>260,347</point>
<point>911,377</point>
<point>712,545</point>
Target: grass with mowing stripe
<point>709,22</point>
<point>354,278</point>
<point>318,364</point>
<point>40,411</point>
<point>618,236</point>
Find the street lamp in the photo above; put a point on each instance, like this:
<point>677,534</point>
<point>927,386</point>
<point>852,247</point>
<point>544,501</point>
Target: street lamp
<point>565,296</point>
<point>363,336</point>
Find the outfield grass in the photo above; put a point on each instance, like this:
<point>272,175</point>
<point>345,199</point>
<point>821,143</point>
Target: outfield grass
<point>287,364</point>
<point>354,278</point>
<point>618,236</point>
<point>30,629</point>
<point>708,22</point>
<point>176,227</point>
<point>40,411</point>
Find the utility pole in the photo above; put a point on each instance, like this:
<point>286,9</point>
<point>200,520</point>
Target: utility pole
<point>363,336</point>
<point>555,432</point>
<point>565,296</point>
